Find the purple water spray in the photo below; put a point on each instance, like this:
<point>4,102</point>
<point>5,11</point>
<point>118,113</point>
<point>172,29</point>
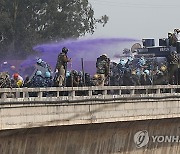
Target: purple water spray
<point>88,49</point>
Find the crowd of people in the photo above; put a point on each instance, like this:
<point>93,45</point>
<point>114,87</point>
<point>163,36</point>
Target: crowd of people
<point>128,72</point>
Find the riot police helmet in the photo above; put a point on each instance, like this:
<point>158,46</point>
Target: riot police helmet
<point>104,55</point>
<point>47,74</point>
<point>147,72</point>
<point>65,50</point>
<point>38,73</point>
<point>39,61</point>
<point>173,52</point>
<point>15,75</point>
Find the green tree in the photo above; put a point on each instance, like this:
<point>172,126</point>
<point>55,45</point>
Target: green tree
<point>24,23</point>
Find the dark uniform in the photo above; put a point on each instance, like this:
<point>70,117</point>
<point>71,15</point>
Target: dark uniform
<point>102,65</point>
<point>37,81</point>
<point>173,67</point>
<point>5,81</point>
<point>172,39</point>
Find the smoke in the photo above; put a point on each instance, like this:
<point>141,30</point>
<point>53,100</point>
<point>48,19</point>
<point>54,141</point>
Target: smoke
<point>88,49</point>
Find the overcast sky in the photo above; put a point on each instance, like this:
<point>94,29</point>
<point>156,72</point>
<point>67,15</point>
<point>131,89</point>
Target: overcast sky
<point>137,18</point>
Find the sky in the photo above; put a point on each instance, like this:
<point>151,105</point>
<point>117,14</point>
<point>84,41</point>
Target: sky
<point>137,18</point>
<point>129,20</point>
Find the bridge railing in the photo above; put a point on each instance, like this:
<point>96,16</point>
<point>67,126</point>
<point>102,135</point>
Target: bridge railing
<point>74,92</point>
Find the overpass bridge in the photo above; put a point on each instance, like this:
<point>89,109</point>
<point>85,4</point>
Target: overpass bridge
<point>88,119</point>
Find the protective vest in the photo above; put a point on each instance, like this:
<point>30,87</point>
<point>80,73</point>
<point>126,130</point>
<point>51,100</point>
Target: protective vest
<point>173,40</point>
<point>174,59</point>
<point>5,81</point>
<point>102,66</point>
<point>62,60</point>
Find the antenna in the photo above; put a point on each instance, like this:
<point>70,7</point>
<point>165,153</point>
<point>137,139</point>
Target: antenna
<point>135,47</point>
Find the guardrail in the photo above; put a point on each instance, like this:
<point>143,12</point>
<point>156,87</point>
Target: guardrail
<point>89,92</point>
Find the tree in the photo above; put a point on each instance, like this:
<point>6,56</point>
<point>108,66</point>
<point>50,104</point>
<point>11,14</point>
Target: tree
<point>24,23</point>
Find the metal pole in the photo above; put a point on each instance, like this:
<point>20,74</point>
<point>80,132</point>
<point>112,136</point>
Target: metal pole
<point>82,64</point>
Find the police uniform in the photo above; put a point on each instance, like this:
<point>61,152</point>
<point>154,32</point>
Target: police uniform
<point>102,66</point>
<point>173,66</point>
<point>61,67</point>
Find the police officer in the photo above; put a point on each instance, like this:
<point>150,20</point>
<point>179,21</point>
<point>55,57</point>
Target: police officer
<point>17,80</point>
<point>102,65</point>
<point>5,81</point>
<point>173,66</point>
<point>37,80</point>
<point>48,80</point>
<point>61,66</point>
<point>44,65</point>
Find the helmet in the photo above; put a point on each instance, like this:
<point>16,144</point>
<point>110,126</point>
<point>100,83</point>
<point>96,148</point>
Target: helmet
<point>13,67</point>
<point>74,72</point>
<point>5,63</point>
<point>130,59</point>
<point>19,83</point>
<point>96,76</point>
<point>173,52</point>
<point>80,73</point>
<point>176,30</point>
<point>142,61</point>
<point>15,76</point>
<point>47,74</point>
<point>122,62</point>
<point>147,72</point>
<point>65,50</point>
<point>133,72</point>
<point>163,68</point>
<point>38,73</point>
<point>68,74</point>
<point>39,61</point>
<point>138,73</point>
<point>104,55</point>
<point>159,72</point>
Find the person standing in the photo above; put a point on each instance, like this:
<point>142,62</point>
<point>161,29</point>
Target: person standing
<point>103,66</point>
<point>61,66</point>
<point>17,80</point>
<point>173,67</point>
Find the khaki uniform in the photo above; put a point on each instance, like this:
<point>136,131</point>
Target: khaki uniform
<point>61,67</point>
<point>101,80</point>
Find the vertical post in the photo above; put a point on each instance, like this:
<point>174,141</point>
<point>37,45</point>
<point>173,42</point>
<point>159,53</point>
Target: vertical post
<point>40,94</point>
<point>4,95</point>
<point>158,91</point>
<point>172,90</point>
<point>82,64</point>
<point>120,92</point>
<point>72,93</point>
<point>24,94</point>
<point>57,94</point>
<point>17,94</point>
<point>90,92</point>
<point>104,92</point>
<point>132,91</point>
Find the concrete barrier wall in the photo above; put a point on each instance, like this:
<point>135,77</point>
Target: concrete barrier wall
<point>104,109</point>
<point>104,138</point>
<point>8,95</point>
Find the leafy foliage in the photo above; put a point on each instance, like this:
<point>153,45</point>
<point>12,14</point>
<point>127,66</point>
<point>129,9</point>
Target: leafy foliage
<point>24,23</point>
